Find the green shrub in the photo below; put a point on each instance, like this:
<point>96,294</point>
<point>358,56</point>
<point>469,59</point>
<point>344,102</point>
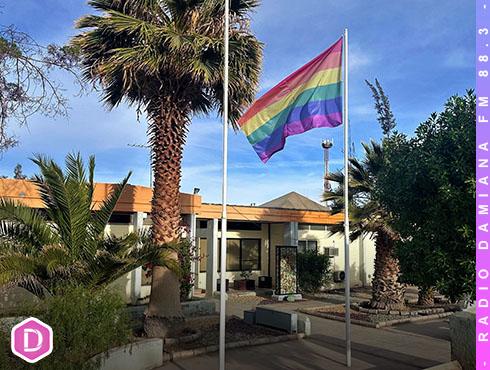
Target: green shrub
<point>4,350</point>
<point>84,322</point>
<point>187,257</point>
<point>313,271</point>
<point>66,242</point>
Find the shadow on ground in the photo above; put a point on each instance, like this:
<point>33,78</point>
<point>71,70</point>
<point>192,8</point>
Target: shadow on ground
<point>432,329</point>
<point>319,352</point>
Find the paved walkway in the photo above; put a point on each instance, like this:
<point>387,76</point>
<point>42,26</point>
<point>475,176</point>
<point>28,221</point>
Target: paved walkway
<point>404,347</point>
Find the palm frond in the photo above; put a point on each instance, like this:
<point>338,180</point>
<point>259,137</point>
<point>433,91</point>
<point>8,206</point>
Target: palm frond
<point>103,214</point>
<point>23,225</point>
<point>42,253</point>
<point>141,51</point>
<point>366,214</point>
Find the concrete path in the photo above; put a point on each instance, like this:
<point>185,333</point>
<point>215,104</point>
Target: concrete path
<point>404,347</point>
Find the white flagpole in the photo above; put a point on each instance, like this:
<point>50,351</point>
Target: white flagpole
<point>345,117</point>
<point>222,299</point>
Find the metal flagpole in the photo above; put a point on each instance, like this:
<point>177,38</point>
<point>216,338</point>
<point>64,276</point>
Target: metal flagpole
<point>345,117</point>
<point>222,299</point>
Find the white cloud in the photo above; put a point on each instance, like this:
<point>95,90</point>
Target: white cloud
<point>459,58</point>
<point>359,58</point>
<point>364,110</point>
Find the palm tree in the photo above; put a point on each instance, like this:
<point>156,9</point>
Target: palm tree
<point>65,242</point>
<point>368,216</point>
<point>166,57</point>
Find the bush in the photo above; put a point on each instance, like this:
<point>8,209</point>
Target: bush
<point>84,322</point>
<point>313,271</point>
<point>4,348</point>
<point>187,257</point>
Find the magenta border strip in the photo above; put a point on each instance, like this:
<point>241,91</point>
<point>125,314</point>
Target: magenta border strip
<point>482,189</point>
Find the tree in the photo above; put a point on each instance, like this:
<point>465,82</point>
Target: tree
<point>367,213</point>
<point>18,175</point>
<point>368,216</point>
<point>27,85</point>
<point>386,118</point>
<point>65,243</point>
<point>166,57</point>
<point>429,186</point>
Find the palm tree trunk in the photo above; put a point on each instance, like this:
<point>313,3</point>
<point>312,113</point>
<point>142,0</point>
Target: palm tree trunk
<point>426,296</point>
<point>388,293</point>
<point>167,131</point>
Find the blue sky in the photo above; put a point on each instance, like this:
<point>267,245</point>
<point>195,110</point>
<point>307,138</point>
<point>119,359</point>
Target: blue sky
<point>421,51</point>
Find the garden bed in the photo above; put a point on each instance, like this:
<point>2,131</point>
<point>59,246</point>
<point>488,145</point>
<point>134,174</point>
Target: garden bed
<point>236,330</point>
<point>238,334</point>
<point>409,310</point>
<point>380,319</point>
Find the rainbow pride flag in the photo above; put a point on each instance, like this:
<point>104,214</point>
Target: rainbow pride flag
<point>308,98</point>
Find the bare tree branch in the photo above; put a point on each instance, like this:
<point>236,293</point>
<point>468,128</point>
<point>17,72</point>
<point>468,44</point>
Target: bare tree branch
<point>27,84</point>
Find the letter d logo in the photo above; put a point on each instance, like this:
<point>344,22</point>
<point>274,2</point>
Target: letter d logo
<point>39,336</point>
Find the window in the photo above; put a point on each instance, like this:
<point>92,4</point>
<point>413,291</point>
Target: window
<point>307,245</point>
<point>203,224</point>
<point>203,254</point>
<point>238,226</point>
<point>241,254</point>
<point>311,227</point>
<point>120,218</point>
<point>232,254</point>
<point>250,254</point>
<point>318,227</point>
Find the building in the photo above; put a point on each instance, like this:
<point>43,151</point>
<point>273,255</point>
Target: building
<point>253,233</point>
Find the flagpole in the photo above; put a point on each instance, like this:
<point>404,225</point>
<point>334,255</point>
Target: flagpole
<point>222,299</point>
<point>345,117</point>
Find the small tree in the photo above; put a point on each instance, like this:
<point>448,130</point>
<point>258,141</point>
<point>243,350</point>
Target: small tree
<point>188,256</point>
<point>428,184</point>
<point>18,175</point>
<point>313,271</point>
<point>66,243</point>
<point>368,214</point>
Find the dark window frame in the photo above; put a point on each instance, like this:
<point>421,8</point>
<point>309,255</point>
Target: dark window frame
<point>307,242</point>
<point>120,218</point>
<point>241,226</point>
<point>259,268</point>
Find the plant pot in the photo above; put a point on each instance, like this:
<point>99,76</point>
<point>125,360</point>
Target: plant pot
<point>265,282</point>
<point>244,284</point>
<point>250,284</point>
<point>240,284</point>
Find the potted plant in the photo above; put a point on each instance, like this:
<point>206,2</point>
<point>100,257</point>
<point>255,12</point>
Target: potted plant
<point>245,283</point>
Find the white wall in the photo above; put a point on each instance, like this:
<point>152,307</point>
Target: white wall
<point>361,254</point>
<point>244,234</point>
